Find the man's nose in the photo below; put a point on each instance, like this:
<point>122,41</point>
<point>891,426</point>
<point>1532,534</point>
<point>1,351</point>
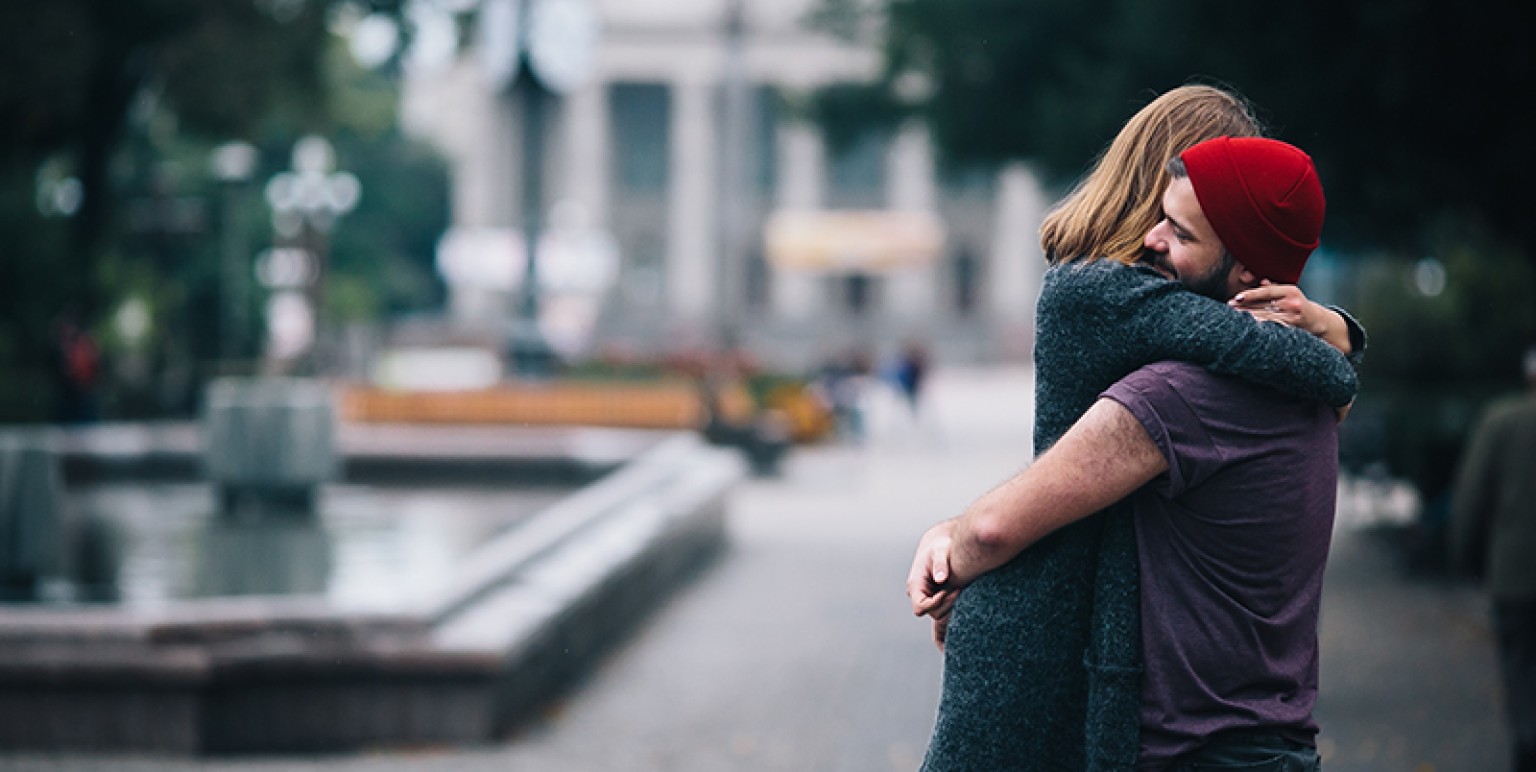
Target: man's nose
<point>1154,240</point>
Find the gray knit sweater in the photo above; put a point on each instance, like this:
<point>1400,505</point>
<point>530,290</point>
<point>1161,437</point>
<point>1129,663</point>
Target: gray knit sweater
<point>1042,664</point>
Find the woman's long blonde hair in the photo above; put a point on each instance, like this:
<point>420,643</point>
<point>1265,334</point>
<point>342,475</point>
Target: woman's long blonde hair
<point>1109,212</point>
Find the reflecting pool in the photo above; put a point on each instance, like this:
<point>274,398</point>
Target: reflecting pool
<point>367,548</point>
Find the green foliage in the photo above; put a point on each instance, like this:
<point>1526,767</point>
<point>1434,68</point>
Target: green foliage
<point>26,316</point>
<point>848,112</point>
<point>129,98</point>
<point>1435,361</point>
<point>1409,110</point>
<point>388,244</point>
<point>1475,330</point>
<point>382,254</point>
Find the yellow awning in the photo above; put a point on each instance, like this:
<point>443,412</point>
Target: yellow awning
<point>869,241</point>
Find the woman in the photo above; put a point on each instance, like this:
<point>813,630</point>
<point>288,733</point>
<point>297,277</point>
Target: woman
<point>1042,656</point>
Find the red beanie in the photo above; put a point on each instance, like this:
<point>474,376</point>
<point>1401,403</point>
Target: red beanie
<point>1263,199</point>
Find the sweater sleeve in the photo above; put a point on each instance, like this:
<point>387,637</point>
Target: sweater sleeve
<point>1357,338</point>
<point>1156,319</point>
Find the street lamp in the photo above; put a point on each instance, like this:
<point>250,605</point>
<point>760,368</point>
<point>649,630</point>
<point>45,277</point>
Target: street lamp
<point>305,205</point>
<point>232,164</point>
<point>736,191</point>
<point>538,49</point>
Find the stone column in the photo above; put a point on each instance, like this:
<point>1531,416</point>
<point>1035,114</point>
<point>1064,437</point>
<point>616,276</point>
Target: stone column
<point>913,293</point>
<point>690,250</point>
<point>587,146</point>
<point>1017,264</point>
<point>475,127</point>
<point>490,164</point>
<point>802,167</point>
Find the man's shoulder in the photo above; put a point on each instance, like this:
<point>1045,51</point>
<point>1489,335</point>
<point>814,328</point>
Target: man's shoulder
<point>1514,413</point>
<point>1178,375</point>
<point>1160,388</point>
<point>1207,393</point>
<point>1515,406</point>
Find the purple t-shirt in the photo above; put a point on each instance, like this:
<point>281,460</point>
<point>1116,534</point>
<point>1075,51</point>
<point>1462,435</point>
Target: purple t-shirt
<point>1231,542</point>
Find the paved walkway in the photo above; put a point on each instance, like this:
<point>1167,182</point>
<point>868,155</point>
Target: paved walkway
<point>797,652</point>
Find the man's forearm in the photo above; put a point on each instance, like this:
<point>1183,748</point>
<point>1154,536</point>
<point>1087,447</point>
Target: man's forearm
<point>1103,458</point>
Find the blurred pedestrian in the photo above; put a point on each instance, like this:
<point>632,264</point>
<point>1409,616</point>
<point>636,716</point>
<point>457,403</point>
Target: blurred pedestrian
<point>1493,537</point>
<point>907,374</point>
<point>1043,653</point>
<point>840,385</point>
<point>77,371</point>
<point>911,373</point>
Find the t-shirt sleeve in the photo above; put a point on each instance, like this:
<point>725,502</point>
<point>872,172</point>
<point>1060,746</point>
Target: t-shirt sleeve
<point>1174,426</point>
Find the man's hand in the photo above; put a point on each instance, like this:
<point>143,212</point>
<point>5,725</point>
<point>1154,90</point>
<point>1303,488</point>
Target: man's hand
<point>941,629</point>
<point>928,583</point>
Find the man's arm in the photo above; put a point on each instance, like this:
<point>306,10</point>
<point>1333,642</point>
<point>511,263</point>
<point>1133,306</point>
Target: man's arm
<point>1103,458</point>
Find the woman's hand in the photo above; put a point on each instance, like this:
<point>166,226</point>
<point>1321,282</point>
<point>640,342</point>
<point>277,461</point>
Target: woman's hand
<point>1286,304</point>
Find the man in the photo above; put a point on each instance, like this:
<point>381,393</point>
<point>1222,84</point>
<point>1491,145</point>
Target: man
<point>1493,536</point>
<point>1234,521</point>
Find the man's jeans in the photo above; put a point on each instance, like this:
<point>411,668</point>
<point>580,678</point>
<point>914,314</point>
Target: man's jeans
<point>1515,623</point>
<point>1249,752</point>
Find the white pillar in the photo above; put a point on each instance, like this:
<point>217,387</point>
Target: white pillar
<point>476,128</point>
<point>913,292</point>
<point>587,151</point>
<point>913,187</point>
<point>796,295</point>
<point>690,256</point>
<point>1017,264</point>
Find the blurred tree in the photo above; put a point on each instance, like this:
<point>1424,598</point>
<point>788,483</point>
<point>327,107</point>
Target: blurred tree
<point>108,109</point>
<point>167,248</point>
<point>72,70</point>
<point>383,256</point>
<point>1410,110</point>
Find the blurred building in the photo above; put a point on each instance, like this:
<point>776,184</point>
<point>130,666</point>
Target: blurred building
<point>708,248</point>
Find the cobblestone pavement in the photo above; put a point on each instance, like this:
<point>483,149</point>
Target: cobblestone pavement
<point>797,652</point>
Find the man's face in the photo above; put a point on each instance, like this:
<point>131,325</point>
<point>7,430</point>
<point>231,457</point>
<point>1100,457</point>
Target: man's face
<point>1184,247</point>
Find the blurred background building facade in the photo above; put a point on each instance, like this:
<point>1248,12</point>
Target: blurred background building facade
<point>688,151</point>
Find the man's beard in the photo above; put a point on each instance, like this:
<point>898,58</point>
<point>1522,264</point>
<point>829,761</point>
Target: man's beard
<point>1213,283</point>
<point>1157,261</point>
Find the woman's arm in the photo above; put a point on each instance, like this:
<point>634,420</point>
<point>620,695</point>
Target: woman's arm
<point>1139,317</point>
<point>1287,304</point>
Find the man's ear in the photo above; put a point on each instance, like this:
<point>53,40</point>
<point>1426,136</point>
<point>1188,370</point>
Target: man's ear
<point>1245,277</point>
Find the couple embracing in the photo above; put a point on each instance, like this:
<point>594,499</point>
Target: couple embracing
<point>1145,595</point>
